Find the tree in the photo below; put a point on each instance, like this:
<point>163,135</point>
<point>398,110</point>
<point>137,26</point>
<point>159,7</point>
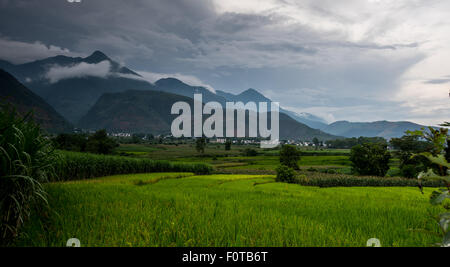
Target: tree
<point>228,145</point>
<point>370,159</point>
<point>137,138</point>
<point>447,151</point>
<point>405,147</point>
<point>316,142</point>
<point>440,139</point>
<point>100,143</point>
<point>289,156</point>
<point>200,145</point>
<point>72,142</point>
<point>351,142</point>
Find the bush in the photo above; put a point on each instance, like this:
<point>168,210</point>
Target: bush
<point>370,159</point>
<point>72,142</point>
<point>228,145</point>
<point>250,152</point>
<point>329,171</point>
<point>289,156</point>
<point>410,170</point>
<point>26,158</point>
<point>405,147</point>
<point>285,174</point>
<point>100,143</point>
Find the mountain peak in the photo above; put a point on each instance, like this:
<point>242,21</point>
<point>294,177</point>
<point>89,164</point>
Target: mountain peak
<point>252,95</point>
<point>97,57</point>
<point>251,91</point>
<point>168,82</point>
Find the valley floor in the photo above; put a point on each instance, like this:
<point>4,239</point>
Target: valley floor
<point>181,209</point>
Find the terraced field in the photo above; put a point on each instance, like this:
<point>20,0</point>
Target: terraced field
<point>180,209</point>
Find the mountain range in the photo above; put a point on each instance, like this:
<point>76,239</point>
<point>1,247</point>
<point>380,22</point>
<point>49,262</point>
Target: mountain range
<point>25,101</point>
<point>92,91</point>
<point>70,94</point>
<point>255,96</point>
<point>150,111</point>
<point>385,129</point>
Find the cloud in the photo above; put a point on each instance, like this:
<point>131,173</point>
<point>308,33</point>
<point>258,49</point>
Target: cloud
<point>347,57</point>
<point>188,79</point>
<point>438,81</point>
<point>21,52</point>
<point>100,70</point>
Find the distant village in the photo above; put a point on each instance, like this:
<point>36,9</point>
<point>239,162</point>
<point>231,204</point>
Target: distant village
<point>238,141</point>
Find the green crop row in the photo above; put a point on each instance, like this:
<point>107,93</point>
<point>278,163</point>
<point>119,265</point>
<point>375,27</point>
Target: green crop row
<point>77,166</point>
<point>355,181</point>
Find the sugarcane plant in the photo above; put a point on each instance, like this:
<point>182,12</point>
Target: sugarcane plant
<point>26,158</point>
<point>439,169</point>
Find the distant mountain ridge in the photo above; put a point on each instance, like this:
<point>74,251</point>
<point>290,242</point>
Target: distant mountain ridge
<point>255,96</point>
<point>133,111</point>
<point>24,100</point>
<point>150,111</point>
<point>34,70</point>
<point>73,97</point>
<point>385,129</point>
<point>175,86</point>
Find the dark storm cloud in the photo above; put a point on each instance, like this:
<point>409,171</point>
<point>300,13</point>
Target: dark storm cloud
<point>234,22</point>
<point>162,32</point>
<point>131,29</point>
<point>231,51</point>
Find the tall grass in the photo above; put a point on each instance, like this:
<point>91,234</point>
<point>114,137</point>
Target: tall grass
<point>26,158</point>
<point>79,166</point>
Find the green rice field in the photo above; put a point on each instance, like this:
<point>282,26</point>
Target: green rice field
<point>181,209</point>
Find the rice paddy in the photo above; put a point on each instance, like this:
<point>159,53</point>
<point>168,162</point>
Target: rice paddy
<point>182,209</point>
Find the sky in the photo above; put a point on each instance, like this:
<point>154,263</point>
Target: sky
<point>355,60</point>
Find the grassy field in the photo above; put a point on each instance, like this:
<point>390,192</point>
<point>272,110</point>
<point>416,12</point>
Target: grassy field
<point>165,151</point>
<point>234,161</point>
<point>180,209</point>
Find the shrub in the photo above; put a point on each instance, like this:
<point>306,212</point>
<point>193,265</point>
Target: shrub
<point>285,174</point>
<point>100,143</point>
<point>410,170</point>
<point>72,142</point>
<point>26,158</point>
<point>370,159</point>
<point>289,156</point>
<point>228,145</point>
<point>250,152</point>
<point>330,171</point>
<point>405,147</point>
